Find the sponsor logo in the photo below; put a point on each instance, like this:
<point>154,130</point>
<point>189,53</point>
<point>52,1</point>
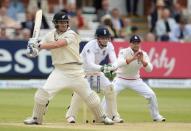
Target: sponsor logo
<point>161,60</point>
<point>17,62</point>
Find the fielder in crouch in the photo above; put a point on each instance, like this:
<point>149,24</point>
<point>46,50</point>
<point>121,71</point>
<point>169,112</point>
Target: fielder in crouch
<point>68,73</point>
<point>94,52</point>
<point>130,61</point>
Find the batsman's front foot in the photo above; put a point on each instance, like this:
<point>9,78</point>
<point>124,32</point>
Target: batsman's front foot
<point>32,121</point>
<point>70,119</point>
<point>107,121</point>
<point>117,119</point>
<point>160,119</point>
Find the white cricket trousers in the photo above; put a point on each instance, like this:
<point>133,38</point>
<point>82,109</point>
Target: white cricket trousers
<point>143,89</point>
<point>60,79</point>
<point>66,76</point>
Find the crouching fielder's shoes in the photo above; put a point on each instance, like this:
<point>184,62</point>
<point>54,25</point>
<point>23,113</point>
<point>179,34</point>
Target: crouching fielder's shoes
<point>117,119</point>
<point>160,119</point>
<point>70,119</point>
<point>107,121</point>
<point>32,121</point>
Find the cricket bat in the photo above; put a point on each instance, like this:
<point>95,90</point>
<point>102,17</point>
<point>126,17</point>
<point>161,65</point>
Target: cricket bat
<point>36,32</point>
<point>37,25</point>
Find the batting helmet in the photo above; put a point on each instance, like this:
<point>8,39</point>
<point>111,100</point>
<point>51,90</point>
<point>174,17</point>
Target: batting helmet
<point>60,16</point>
<point>102,32</point>
<point>135,38</point>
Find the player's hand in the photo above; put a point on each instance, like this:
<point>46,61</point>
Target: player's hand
<point>140,56</point>
<point>137,56</point>
<point>33,43</point>
<point>110,75</point>
<point>107,68</point>
<point>32,52</point>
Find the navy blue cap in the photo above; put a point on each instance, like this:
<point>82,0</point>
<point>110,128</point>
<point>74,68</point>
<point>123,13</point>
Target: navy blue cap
<point>61,16</point>
<point>102,32</point>
<point>135,38</point>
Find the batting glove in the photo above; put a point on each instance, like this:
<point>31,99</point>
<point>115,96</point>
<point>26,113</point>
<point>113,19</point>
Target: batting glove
<point>33,43</point>
<point>32,52</point>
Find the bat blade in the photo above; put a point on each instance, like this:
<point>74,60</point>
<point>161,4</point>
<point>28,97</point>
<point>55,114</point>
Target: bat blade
<point>38,20</point>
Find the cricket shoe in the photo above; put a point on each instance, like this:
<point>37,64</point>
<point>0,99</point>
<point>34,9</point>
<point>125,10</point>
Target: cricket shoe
<point>32,121</point>
<point>117,119</point>
<point>71,119</point>
<point>160,119</point>
<point>106,120</point>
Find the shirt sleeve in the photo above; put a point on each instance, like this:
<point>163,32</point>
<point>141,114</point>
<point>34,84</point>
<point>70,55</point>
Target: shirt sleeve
<point>70,38</point>
<point>149,66</point>
<point>90,58</point>
<point>121,58</point>
<point>112,56</point>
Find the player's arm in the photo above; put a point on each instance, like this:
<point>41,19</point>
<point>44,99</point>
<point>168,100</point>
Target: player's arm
<point>146,63</point>
<point>49,45</point>
<point>90,58</point>
<point>53,45</point>
<point>113,57</point>
<point>122,58</point>
<point>59,43</point>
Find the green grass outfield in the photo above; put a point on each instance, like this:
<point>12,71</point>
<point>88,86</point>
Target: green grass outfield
<point>174,104</point>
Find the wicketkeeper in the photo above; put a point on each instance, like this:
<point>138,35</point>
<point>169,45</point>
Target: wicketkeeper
<point>94,52</point>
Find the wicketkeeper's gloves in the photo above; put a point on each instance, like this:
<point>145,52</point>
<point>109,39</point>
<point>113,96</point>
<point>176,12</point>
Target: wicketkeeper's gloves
<point>107,68</point>
<point>109,71</point>
<point>110,75</point>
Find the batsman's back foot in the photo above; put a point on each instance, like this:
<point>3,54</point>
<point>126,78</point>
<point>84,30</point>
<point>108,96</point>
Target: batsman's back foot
<point>71,119</point>
<point>161,119</point>
<point>107,121</point>
<point>117,119</point>
<point>32,121</point>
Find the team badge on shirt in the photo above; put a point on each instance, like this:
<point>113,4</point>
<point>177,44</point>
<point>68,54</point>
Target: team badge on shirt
<point>88,51</point>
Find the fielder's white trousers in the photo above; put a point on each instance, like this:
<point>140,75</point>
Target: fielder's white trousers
<point>141,88</point>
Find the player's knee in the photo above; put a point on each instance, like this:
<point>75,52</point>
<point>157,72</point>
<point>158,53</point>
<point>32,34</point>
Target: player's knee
<point>92,100</point>
<point>151,95</point>
<point>109,92</point>
<point>41,97</point>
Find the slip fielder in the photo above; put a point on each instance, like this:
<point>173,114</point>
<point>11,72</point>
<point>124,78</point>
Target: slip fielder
<point>130,61</point>
<point>68,73</point>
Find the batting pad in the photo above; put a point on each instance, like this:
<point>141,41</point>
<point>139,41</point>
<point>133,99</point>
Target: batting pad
<point>75,105</point>
<point>41,99</point>
<point>38,112</point>
<point>93,102</point>
<point>111,102</point>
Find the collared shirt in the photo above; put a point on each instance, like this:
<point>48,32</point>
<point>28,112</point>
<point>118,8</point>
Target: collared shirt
<point>65,54</point>
<point>131,70</point>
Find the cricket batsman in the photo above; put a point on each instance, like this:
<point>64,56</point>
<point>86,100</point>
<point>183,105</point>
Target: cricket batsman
<point>68,72</point>
<point>94,52</point>
<point>130,61</point>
